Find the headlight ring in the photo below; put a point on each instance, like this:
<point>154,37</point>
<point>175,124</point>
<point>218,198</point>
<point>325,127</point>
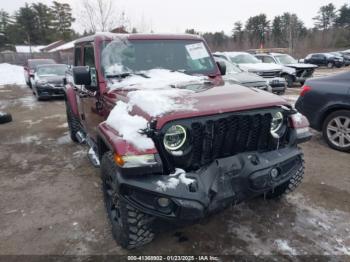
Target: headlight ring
<point>174,138</point>
<point>277,123</point>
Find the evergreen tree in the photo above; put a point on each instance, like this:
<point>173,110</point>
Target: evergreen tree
<point>43,23</point>
<point>237,32</point>
<point>62,20</point>
<point>24,30</point>
<point>257,28</point>
<point>326,17</point>
<point>343,19</point>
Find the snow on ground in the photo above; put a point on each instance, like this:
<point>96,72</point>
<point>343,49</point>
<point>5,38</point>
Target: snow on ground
<point>155,95</point>
<point>11,74</point>
<point>284,246</point>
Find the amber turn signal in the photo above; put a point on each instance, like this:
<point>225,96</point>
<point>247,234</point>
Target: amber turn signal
<point>118,159</point>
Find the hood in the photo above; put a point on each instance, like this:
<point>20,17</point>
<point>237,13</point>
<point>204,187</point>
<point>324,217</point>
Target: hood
<point>223,99</point>
<point>137,100</point>
<point>245,78</point>
<point>52,79</point>
<point>302,66</point>
<point>260,67</point>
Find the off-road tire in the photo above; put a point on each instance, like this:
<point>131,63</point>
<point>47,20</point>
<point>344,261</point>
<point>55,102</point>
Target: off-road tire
<point>330,117</point>
<point>73,123</point>
<point>134,228</point>
<point>289,79</point>
<point>290,185</point>
<point>5,117</point>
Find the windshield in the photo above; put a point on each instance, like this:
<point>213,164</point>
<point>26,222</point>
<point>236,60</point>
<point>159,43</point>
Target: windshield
<point>286,59</point>
<point>122,56</point>
<point>56,70</point>
<point>244,59</point>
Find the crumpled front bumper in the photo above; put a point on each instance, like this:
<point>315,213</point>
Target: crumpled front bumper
<point>224,182</point>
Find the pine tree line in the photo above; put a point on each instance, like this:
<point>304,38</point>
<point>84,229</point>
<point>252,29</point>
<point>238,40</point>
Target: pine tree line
<point>331,31</point>
<point>36,24</point>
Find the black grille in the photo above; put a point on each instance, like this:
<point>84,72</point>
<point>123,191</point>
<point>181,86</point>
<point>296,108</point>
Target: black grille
<point>219,137</point>
<point>270,74</point>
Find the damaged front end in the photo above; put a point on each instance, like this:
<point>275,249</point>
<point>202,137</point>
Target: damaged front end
<point>226,159</point>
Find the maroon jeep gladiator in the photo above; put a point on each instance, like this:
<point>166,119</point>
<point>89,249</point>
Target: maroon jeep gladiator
<point>211,144</point>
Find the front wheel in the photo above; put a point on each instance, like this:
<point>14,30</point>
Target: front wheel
<point>290,185</point>
<point>289,79</point>
<point>131,228</point>
<point>336,130</point>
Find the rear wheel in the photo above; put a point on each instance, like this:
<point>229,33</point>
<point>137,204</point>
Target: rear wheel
<point>336,130</point>
<point>73,123</point>
<point>131,228</point>
<point>290,185</point>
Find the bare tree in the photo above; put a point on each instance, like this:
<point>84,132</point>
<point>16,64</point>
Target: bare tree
<point>98,15</point>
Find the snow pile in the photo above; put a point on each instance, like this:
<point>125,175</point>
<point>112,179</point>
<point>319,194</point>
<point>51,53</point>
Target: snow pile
<point>174,180</point>
<point>11,74</point>
<point>128,126</point>
<point>155,94</point>
<point>171,183</point>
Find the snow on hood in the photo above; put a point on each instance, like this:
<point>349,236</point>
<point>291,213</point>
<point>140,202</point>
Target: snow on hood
<point>128,126</point>
<point>11,74</point>
<point>154,94</point>
<point>259,67</point>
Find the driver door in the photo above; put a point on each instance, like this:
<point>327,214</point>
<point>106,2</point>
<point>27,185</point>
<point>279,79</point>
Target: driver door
<point>90,100</point>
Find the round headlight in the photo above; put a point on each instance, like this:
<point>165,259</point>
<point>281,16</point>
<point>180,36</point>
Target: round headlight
<point>174,138</point>
<point>277,122</point>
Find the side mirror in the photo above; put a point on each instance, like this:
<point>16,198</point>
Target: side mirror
<point>81,75</point>
<point>222,67</point>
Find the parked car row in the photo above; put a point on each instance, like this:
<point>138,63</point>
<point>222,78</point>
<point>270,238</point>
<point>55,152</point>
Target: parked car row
<point>330,60</point>
<point>281,70</point>
<point>45,77</point>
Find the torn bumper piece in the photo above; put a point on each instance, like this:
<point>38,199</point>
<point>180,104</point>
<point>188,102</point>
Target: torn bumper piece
<point>222,183</point>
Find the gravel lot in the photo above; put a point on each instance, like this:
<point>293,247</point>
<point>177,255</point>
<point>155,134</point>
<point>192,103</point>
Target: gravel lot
<point>51,202</point>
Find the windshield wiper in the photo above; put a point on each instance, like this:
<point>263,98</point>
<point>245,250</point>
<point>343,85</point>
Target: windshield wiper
<point>126,74</point>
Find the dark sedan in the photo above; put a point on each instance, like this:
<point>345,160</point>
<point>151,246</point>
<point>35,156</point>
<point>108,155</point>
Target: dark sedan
<point>326,103</point>
<point>325,59</point>
<point>31,66</point>
<point>49,81</point>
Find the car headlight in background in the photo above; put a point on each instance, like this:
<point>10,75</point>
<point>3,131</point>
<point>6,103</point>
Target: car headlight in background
<point>174,138</point>
<point>276,123</point>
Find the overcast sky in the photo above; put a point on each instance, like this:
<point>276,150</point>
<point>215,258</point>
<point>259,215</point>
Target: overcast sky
<point>178,15</point>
